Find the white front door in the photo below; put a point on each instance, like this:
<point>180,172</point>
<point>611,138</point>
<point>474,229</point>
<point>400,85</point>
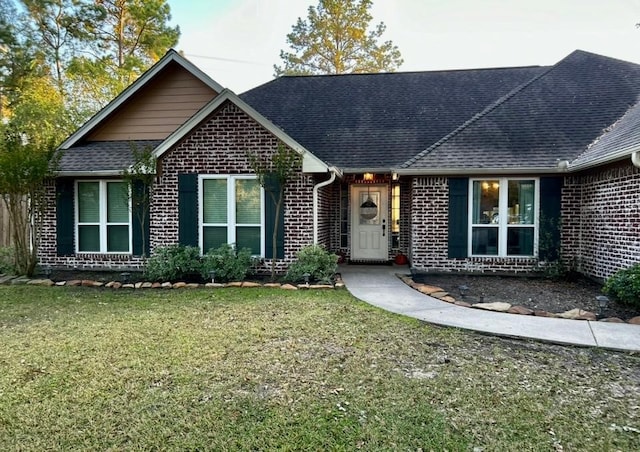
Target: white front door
<point>369,222</point>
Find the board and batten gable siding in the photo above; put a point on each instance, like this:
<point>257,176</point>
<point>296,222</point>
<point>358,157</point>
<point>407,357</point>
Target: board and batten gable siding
<point>158,109</point>
<point>601,220</point>
<point>220,146</point>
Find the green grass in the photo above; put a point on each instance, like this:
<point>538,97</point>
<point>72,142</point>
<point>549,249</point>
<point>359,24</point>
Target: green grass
<point>259,369</point>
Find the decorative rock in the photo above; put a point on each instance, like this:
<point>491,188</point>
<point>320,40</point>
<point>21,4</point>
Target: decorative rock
<point>320,286</point>
<point>520,310</point>
<point>288,287</point>
<point>19,281</point>
<point>61,283</point>
<point>179,285</point>
<point>87,283</point>
<point>156,285</point>
<point>6,279</point>
<point>234,284</point>
<point>116,285</point>
<point>634,321</point>
<point>138,285</point>
<point>110,284</point>
<point>212,285</point>
<point>41,282</point>
<point>498,306</point>
<point>464,304</point>
<point>339,285</point>
<point>430,290</point>
<point>273,285</point>
<point>303,286</point>
<point>251,284</point>
<point>74,283</point>
<point>192,286</point>
<point>128,286</point>
<point>167,285</point>
<point>612,320</point>
<point>540,313</point>
<point>448,299</point>
<point>146,285</point>
<point>577,314</point>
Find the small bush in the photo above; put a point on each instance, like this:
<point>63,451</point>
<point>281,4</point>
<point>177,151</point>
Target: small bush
<point>624,286</point>
<point>7,260</point>
<point>315,260</point>
<point>174,262</point>
<point>229,264</point>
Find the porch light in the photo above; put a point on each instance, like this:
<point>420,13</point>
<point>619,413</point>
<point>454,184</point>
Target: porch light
<point>395,176</point>
<point>367,176</point>
<point>603,302</point>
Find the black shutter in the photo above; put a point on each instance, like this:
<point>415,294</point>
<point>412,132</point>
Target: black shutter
<point>188,209</point>
<point>139,191</point>
<point>273,187</point>
<point>550,216</point>
<point>64,217</point>
<point>458,217</point>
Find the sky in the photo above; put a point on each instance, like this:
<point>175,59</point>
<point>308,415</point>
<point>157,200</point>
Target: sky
<point>237,42</point>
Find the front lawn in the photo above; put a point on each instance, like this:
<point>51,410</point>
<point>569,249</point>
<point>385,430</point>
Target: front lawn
<point>264,369</point>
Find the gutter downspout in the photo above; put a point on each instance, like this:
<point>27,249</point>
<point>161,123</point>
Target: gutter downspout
<point>315,202</point>
<point>635,158</point>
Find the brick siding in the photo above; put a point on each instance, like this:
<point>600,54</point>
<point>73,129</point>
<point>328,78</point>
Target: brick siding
<point>601,220</point>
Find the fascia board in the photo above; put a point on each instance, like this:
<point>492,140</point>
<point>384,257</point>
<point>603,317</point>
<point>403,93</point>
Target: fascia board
<point>216,102</point>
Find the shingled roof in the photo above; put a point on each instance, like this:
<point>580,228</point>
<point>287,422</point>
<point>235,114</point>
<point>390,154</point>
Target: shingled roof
<point>380,120</point>
<point>525,118</point>
<point>555,117</point>
<point>102,156</point>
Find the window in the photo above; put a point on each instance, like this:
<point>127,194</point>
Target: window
<point>232,211</point>
<point>395,216</point>
<point>504,217</point>
<point>103,217</point>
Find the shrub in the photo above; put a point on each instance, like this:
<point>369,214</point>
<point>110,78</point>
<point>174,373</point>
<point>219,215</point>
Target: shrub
<point>624,286</point>
<point>174,262</point>
<point>7,260</point>
<point>315,260</point>
<point>229,264</point>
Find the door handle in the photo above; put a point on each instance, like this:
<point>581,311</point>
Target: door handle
<point>384,227</point>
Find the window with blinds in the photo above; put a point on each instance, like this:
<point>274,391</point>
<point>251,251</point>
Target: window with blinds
<point>232,211</point>
<point>103,217</point>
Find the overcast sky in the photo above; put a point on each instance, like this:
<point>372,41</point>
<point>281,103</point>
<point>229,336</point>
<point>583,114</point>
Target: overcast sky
<point>237,42</point>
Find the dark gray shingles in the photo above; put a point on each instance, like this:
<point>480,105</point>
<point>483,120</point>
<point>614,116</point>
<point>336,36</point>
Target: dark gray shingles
<point>102,155</point>
<point>555,117</point>
<point>380,120</point>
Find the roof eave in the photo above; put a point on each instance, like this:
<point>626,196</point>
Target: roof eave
<point>309,159</point>
<point>478,171</point>
<point>96,173</point>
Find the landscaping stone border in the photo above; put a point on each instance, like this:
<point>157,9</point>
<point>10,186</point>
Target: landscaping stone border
<point>17,280</point>
<point>573,314</point>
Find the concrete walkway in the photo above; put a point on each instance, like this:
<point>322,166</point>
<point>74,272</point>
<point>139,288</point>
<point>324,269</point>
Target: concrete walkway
<point>379,286</point>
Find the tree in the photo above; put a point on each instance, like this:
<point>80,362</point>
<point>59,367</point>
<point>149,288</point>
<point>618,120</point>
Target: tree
<point>139,178</point>
<point>274,174</point>
<point>126,38</point>
<point>28,139</point>
<point>336,39</point>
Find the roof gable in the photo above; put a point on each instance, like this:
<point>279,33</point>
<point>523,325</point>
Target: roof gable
<point>153,106</point>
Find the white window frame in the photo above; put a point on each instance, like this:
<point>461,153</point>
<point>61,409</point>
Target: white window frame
<point>503,214</point>
<point>231,209</point>
<point>102,223</point>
